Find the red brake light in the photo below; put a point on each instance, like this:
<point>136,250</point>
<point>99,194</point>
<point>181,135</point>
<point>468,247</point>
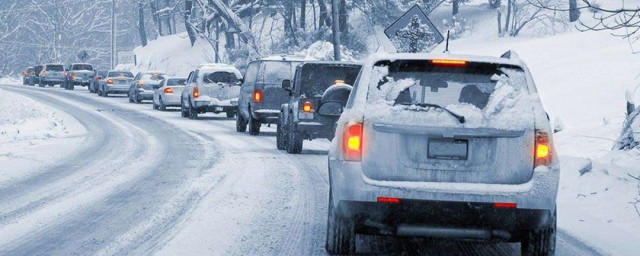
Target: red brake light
<point>196,92</point>
<point>542,152</point>
<point>505,205</point>
<point>388,200</point>
<point>168,90</point>
<point>109,81</point>
<point>352,142</point>
<point>307,107</point>
<point>449,63</point>
<point>26,73</point>
<point>73,76</point>
<point>98,78</point>
<point>257,96</point>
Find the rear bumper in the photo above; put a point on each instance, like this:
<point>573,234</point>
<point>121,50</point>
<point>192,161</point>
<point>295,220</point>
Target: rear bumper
<point>348,183</point>
<point>444,219</point>
<point>170,99</point>
<point>117,89</point>
<point>215,105</point>
<point>267,116</point>
<point>51,79</point>
<point>314,130</point>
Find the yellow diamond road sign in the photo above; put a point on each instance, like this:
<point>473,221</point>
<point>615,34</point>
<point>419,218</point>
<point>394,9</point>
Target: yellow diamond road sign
<point>414,32</point>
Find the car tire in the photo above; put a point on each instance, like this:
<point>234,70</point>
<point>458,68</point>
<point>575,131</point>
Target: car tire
<point>540,242</point>
<point>341,236</point>
<point>241,124</point>
<point>193,113</point>
<point>71,86</point>
<point>130,98</point>
<point>254,126</point>
<point>183,110</point>
<point>40,84</point>
<point>294,141</point>
<point>280,134</point>
<point>161,105</point>
<point>155,106</point>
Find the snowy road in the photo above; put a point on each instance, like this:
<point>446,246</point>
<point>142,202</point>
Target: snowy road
<point>150,182</point>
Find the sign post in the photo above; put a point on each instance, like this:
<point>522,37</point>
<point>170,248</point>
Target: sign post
<point>413,32</point>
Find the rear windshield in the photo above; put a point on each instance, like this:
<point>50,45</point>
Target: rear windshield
<point>120,74</point>
<point>81,67</point>
<point>220,77</point>
<point>316,78</point>
<point>153,77</point>
<point>276,71</point>
<point>102,73</point>
<point>419,82</point>
<point>177,81</point>
<point>55,68</point>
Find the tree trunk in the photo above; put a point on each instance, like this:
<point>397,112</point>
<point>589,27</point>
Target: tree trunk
<point>141,28</point>
<point>156,18</point>
<point>303,14</point>
<point>324,15</point>
<point>188,7</point>
<point>506,21</point>
<point>343,16</point>
<point>574,12</point>
<point>336,30</point>
<point>455,7</point>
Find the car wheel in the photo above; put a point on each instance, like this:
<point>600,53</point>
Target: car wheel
<point>294,141</point>
<point>71,86</point>
<point>155,106</point>
<point>183,110</point>
<point>193,113</point>
<point>161,106</point>
<point>130,98</point>
<point>241,124</point>
<point>540,242</point>
<point>280,133</point>
<point>341,236</point>
<point>254,126</point>
<point>40,84</point>
<point>137,98</point>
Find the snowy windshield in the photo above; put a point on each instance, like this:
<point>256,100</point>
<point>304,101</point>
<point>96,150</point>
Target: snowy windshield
<point>177,81</point>
<point>153,77</point>
<point>55,68</point>
<point>316,78</point>
<point>220,77</point>
<point>120,74</point>
<point>82,67</point>
<point>276,71</point>
<point>419,82</point>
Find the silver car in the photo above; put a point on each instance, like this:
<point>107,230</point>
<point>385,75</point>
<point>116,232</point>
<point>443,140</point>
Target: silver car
<point>144,85</point>
<point>444,146</point>
<point>168,94</point>
<point>78,74</point>
<point>115,82</point>
<point>212,88</point>
<point>51,75</point>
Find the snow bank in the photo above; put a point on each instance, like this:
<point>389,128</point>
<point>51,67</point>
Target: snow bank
<point>10,80</point>
<point>322,50</point>
<point>173,54</point>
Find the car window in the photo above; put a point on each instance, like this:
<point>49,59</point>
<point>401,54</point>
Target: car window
<point>120,74</point>
<point>176,81</point>
<point>153,76</point>
<point>252,72</point>
<point>82,67</point>
<point>274,72</point>
<point>219,77</point>
<point>419,82</point>
<point>316,78</point>
<point>55,68</point>
<point>356,84</point>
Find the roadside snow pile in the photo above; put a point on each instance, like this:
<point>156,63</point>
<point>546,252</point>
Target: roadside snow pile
<point>174,55</point>
<point>322,50</point>
<point>23,119</point>
<point>10,80</point>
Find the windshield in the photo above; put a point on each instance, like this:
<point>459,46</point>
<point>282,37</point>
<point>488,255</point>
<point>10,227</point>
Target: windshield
<point>82,67</point>
<point>120,74</point>
<point>153,77</point>
<point>55,68</point>
<point>420,83</point>
<point>220,77</point>
<point>316,78</point>
<point>177,81</point>
<point>274,72</point>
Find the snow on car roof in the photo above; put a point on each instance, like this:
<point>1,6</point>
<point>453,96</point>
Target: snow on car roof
<point>514,60</point>
<point>289,57</point>
<point>223,67</point>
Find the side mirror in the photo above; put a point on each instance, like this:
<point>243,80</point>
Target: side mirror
<point>286,84</point>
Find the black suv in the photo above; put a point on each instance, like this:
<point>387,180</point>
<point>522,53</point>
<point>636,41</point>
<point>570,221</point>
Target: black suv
<point>262,95</point>
<point>319,92</point>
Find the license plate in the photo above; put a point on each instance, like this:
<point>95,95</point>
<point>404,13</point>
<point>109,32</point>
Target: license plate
<point>448,149</point>
<point>219,109</point>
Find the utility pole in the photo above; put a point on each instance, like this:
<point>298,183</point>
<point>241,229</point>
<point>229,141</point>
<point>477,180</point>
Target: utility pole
<point>113,34</point>
<point>336,30</point>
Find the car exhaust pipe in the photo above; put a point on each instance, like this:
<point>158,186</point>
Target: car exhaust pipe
<point>452,233</point>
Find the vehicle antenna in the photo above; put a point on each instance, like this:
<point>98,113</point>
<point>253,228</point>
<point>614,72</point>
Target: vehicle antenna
<point>446,50</point>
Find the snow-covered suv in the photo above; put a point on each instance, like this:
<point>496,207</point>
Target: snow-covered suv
<point>213,87</point>
<point>444,146</point>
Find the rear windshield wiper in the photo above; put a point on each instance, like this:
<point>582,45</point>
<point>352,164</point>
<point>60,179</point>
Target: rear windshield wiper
<point>460,118</point>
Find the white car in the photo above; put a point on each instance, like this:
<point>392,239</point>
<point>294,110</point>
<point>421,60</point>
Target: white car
<point>444,146</point>
<point>168,94</point>
<point>213,88</point>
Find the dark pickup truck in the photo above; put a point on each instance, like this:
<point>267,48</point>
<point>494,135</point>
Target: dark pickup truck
<point>318,94</point>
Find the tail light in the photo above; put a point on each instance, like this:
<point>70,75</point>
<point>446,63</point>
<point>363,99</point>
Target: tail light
<point>168,90</point>
<point>98,78</point>
<point>73,76</point>
<point>448,63</point>
<point>502,205</point>
<point>140,83</point>
<point>26,73</point>
<point>196,92</point>
<point>542,152</point>
<point>307,107</point>
<point>257,96</point>
<point>388,200</point>
<point>109,81</point>
<point>44,72</point>
<point>66,73</point>
<point>352,142</point>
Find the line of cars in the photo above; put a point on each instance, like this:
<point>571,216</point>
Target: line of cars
<point>423,145</point>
